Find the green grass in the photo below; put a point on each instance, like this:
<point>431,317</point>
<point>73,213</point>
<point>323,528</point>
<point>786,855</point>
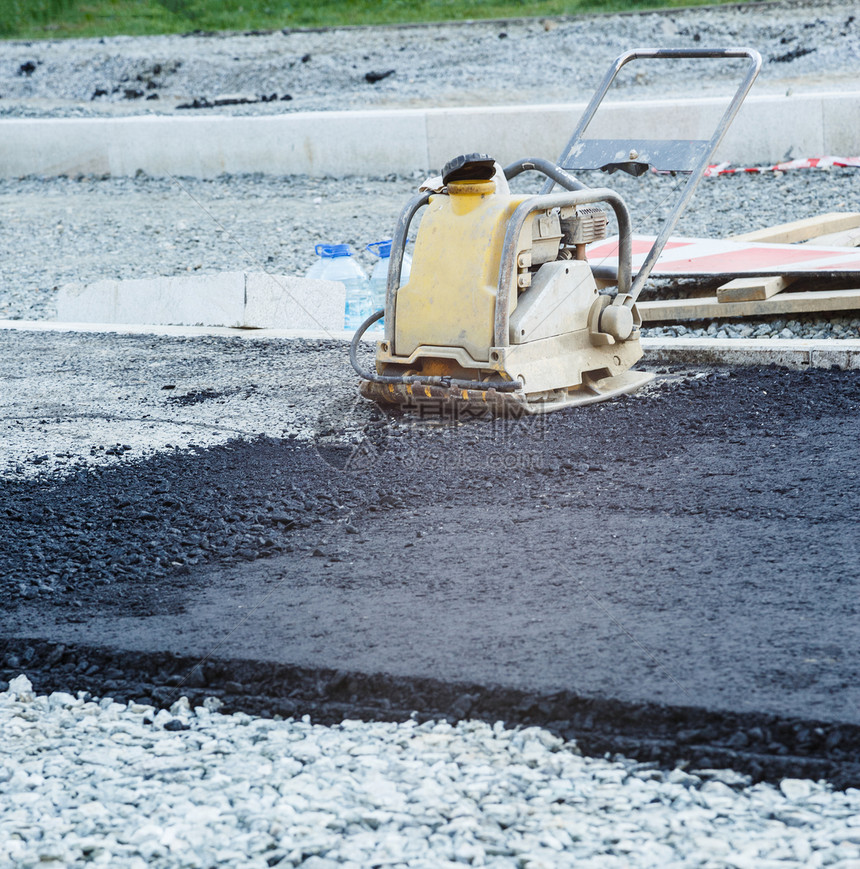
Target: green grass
<point>35,19</point>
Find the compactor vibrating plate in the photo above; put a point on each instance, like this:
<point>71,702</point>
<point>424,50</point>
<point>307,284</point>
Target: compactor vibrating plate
<point>502,312</point>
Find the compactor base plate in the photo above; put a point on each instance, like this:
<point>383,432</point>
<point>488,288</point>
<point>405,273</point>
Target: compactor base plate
<point>456,403</point>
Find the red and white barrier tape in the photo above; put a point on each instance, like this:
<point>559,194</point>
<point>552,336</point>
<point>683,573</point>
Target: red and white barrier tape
<point>805,163</point>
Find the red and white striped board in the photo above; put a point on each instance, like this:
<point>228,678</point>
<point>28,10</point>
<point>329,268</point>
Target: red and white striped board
<point>700,257</point>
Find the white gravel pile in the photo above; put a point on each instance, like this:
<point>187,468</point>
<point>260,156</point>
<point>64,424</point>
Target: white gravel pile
<point>808,326</point>
<point>104,783</point>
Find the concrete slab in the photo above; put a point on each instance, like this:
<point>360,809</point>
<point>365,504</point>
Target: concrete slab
<point>176,331</point>
<point>281,302</point>
<point>305,143</point>
<point>231,299</point>
<point>840,122</point>
<point>208,299</point>
<point>768,128</point>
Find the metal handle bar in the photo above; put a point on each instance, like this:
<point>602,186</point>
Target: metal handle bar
<point>700,158</point>
<point>536,164</point>
<point>395,265</point>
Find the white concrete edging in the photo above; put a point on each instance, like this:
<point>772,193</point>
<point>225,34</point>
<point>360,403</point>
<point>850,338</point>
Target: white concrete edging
<point>247,300</point>
<point>768,128</point>
<point>844,353</point>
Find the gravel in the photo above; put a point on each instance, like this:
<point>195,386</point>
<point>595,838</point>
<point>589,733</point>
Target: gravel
<point>192,787</point>
<point>138,227</point>
<point>100,227</point>
<point>97,227</point>
<point>128,785</point>
<point>804,44</point>
<point>806,326</point>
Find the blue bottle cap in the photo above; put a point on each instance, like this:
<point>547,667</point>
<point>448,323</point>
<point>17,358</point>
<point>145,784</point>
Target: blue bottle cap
<point>382,249</point>
<point>330,251</point>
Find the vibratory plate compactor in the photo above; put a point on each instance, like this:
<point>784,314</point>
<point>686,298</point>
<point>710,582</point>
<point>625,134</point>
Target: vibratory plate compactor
<point>502,312</point>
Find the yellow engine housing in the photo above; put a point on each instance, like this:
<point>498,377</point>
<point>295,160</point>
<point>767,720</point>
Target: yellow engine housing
<point>444,321</point>
<point>450,299</point>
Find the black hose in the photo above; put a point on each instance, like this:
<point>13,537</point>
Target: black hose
<point>414,379</point>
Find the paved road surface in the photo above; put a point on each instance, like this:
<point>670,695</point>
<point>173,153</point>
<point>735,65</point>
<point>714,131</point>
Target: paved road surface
<point>691,546</point>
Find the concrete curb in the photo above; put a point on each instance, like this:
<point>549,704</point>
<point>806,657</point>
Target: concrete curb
<point>247,300</point>
<point>787,353</point>
<point>768,128</point>
<point>844,353</point>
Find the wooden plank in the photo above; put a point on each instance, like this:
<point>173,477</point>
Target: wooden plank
<point>802,230</point>
<point>756,289</point>
<point>845,238</point>
<point>711,308</point>
<point>752,289</point>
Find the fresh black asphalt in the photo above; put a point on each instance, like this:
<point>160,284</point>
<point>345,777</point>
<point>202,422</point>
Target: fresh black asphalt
<point>674,561</point>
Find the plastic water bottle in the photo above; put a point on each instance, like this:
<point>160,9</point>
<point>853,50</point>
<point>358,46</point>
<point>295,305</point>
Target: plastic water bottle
<point>336,264</point>
<point>379,275</point>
